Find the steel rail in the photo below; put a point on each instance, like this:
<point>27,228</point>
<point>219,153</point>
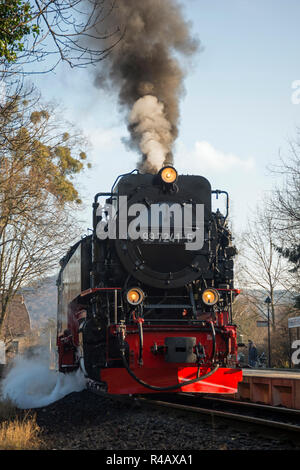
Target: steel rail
<point>277,409</point>
<point>222,414</point>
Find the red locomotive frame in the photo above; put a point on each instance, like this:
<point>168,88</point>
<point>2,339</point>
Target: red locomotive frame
<point>154,370</point>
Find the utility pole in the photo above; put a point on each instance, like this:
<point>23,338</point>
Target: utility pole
<point>268,301</point>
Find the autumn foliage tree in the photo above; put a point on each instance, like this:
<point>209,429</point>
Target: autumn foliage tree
<point>56,30</point>
<point>16,23</point>
<point>39,159</point>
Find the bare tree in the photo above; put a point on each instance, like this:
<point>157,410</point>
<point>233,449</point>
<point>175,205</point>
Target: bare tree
<point>38,160</point>
<point>285,210</point>
<point>72,31</point>
<point>263,270</point>
<point>286,198</point>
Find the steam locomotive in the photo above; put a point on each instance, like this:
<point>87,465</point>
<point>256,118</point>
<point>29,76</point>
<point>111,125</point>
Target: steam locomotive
<point>145,301</point>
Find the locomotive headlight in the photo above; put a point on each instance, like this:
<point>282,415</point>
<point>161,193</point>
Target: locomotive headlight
<point>135,296</point>
<point>168,174</point>
<point>210,296</point>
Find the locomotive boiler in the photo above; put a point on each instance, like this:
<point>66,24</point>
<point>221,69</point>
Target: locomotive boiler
<point>145,301</point>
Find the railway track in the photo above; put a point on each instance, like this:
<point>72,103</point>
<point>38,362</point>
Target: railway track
<point>276,418</point>
<point>263,417</point>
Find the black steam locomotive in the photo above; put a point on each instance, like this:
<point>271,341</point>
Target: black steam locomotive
<point>145,302</point>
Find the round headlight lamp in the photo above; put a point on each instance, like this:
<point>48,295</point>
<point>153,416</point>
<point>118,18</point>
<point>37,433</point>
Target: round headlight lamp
<point>135,296</point>
<point>168,175</point>
<point>210,296</point>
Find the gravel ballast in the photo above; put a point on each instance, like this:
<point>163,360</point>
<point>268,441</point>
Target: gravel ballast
<point>85,420</point>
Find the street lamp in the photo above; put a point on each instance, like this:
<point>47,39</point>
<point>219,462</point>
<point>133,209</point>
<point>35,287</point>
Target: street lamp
<point>268,301</point>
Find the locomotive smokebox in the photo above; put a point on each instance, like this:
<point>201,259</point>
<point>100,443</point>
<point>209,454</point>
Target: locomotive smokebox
<point>161,220</point>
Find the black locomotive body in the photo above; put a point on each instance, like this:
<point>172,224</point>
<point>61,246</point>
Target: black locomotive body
<point>145,302</point>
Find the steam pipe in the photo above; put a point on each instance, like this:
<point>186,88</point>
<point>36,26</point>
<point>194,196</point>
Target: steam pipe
<point>171,387</point>
<point>213,331</point>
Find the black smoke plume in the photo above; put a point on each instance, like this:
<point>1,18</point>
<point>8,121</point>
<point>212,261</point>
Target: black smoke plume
<point>146,71</point>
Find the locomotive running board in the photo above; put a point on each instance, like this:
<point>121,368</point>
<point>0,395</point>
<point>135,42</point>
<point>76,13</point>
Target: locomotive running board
<point>223,381</point>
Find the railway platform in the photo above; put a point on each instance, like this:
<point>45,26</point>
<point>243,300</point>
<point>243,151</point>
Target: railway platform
<point>276,387</point>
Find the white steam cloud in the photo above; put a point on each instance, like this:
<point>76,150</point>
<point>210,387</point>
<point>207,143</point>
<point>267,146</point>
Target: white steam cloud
<point>31,384</point>
<point>151,126</point>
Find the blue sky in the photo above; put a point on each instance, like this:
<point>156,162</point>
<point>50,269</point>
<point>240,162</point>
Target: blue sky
<point>237,112</point>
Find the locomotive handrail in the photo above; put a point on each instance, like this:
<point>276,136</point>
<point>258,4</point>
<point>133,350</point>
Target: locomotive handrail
<point>219,191</point>
<point>168,306</point>
<point>213,331</point>
<point>97,289</point>
<point>121,176</point>
<point>96,205</point>
<point>101,194</point>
